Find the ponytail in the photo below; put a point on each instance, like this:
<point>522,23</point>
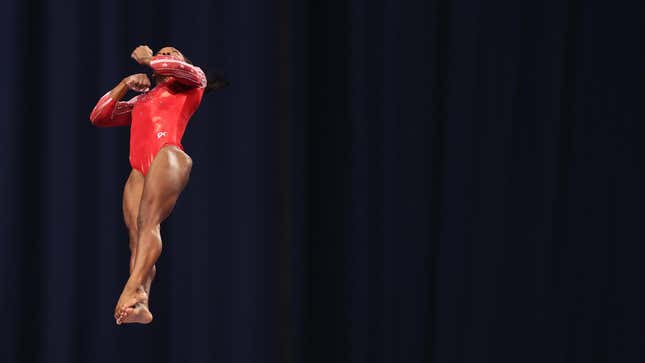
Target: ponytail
<point>214,81</point>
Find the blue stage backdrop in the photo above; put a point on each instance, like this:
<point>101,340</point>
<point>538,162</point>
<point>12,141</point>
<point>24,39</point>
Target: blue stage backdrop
<point>384,181</point>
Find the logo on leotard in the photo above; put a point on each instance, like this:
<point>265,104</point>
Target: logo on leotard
<point>161,134</point>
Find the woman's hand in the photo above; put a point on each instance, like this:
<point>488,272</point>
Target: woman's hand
<point>142,54</point>
<point>137,82</point>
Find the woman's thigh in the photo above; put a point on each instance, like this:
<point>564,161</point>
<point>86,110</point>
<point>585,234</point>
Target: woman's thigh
<point>131,198</point>
<point>164,182</point>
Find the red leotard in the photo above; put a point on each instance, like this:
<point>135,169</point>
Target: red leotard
<point>159,117</point>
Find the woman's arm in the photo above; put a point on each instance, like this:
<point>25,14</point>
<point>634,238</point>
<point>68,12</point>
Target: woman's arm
<point>185,73</point>
<point>169,66</point>
<point>109,111</point>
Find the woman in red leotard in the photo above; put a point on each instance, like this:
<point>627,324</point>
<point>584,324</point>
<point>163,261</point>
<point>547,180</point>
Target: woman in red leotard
<point>160,168</point>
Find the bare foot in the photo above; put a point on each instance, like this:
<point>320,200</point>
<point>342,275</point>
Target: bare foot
<point>139,314</point>
<point>142,310</point>
<point>132,306</point>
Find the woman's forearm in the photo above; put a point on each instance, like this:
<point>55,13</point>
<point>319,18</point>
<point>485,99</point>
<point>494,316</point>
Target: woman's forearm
<point>119,90</point>
<point>181,71</point>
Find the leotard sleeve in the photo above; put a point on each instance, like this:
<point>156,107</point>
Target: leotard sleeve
<point>108,112</point>
<point>185,73</point>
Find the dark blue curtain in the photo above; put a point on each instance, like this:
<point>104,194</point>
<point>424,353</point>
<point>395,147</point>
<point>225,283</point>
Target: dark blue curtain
<point>383,181</point>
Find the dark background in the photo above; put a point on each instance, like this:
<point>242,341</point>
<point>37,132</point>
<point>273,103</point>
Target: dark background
<point>384,181</point>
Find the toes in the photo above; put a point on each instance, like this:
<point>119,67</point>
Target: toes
<point>129,313</point>
<point>121,316</point>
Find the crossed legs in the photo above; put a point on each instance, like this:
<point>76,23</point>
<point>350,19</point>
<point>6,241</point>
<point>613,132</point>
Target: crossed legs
<point>146,203</point>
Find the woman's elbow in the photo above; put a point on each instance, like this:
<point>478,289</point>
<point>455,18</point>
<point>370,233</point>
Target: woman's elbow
<point>97,121</point>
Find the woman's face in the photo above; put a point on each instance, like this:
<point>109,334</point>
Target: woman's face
<point>170,51</point>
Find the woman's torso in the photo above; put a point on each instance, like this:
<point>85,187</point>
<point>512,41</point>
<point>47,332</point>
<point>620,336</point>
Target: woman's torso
<point>160,117</point>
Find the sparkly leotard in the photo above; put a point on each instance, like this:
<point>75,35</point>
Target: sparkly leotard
<point>159,117</point>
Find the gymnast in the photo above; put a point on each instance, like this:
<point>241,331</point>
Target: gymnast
<point>160,167</point>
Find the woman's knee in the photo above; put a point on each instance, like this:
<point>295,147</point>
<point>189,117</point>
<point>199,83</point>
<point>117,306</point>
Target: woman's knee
<point>148,233</point>
<point>133,234</point>
<point>131,223</point>
<point>146,223</point>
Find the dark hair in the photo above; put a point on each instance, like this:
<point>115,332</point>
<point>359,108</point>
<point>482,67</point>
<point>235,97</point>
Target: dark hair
<point>214,81</point>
